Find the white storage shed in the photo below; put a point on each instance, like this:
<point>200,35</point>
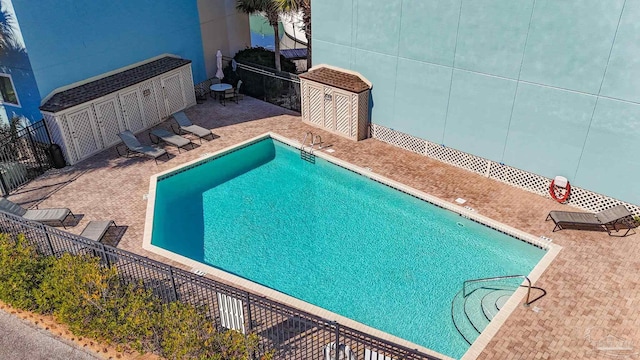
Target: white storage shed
<point>336,100</point>
<point>87,118</point>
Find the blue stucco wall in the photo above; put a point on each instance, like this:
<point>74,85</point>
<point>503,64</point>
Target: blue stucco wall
<point>546,86</point>
<point>69,41</point>
<point>14,61</point>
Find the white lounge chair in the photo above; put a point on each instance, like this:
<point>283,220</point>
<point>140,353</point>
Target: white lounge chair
<point>55,215</point>
<point>135,147</point>
<point>185,125</point>
<point>95,230</point>
<point>169,138</point>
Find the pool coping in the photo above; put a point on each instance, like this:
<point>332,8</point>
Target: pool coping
<point>474,350</point>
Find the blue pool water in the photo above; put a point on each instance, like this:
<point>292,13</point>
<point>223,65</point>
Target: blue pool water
<point>333,238</point>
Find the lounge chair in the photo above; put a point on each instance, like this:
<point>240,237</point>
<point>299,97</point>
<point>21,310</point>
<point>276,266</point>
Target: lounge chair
<point>169,138</point>
<point>95,230</point>
<point>187,126</point>
<point>134,147</point>
<point>54,215</point>
<point>607,220</point>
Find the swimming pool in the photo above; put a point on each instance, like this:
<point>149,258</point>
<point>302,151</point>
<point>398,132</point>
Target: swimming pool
<point>333,238</point>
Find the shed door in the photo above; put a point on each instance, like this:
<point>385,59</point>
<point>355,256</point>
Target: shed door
<point>329,120</point>
<point>82,133</point>
<point>132,110</point>
<point>149,105</point>
<point>172,92</point>
<point>342,103</point>
<point>316,105</point>
<point>108,115</point>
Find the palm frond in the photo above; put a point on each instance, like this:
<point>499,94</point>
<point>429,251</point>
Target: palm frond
<point>7,22</point>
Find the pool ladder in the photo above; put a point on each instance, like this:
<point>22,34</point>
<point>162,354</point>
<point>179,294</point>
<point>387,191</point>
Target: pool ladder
<point>306,153</point>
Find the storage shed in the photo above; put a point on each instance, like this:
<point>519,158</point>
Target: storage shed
<point>87,118</point>
<point>336,100</point>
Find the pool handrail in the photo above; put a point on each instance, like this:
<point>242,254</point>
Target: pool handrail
<point>529,286</point>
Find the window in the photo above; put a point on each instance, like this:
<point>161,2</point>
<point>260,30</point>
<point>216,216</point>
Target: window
<point>7,91</point>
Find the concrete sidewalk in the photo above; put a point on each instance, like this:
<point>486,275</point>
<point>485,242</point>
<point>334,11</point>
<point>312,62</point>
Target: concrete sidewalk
<point>21,340</point>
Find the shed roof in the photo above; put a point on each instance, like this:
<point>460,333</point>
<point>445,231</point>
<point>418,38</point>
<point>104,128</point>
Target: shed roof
<point>106,85</point>
<point>337,78</point>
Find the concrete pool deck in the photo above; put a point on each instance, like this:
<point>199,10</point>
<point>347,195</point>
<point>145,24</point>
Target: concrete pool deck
<point>590,310</point>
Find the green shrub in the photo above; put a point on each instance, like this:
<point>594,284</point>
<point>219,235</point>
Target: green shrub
<point>257,85</point>
<point>187,334</point>
<point>96,302</point>
<point>263,57</point>
<point>21,272</point>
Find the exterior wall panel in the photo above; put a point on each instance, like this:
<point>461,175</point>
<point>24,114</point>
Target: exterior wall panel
<point>572,98</point>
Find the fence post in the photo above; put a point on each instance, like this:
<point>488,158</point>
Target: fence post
<point>46,129</point>
<point>264,88</point>
<point>104,254</point>
<point>5,188</point>
<point>173,284</point>
<point>33,148</point>
<point>337,357</point>
<point>249,311</point>
<point>46,234</point>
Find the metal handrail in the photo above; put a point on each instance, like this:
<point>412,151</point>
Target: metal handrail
<point>305,140</point>
<point>529,286</point>
<point>313,141</point>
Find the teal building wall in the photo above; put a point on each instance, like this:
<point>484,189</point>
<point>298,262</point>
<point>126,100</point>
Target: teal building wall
<point>547,86</point>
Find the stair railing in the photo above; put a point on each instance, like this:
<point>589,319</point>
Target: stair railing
<point>529,286</point>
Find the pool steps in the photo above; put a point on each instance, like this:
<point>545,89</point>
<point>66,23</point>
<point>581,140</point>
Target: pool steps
<point>472,312</point>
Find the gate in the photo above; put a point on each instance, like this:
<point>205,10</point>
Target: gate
<point>24,155</point>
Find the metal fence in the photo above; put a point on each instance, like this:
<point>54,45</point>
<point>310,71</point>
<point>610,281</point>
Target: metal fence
<point>261,82</point>
<point>290,333</point>
<point>24,155</point>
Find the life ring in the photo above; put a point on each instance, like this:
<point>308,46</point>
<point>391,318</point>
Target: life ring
<point>552,192</point>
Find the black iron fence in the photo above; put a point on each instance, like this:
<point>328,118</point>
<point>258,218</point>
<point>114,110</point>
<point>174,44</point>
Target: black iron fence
<point>261,82</point>
<point>24,155</point>
<point>290,333</point>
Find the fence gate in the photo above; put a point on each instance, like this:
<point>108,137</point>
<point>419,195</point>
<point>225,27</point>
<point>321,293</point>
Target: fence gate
<point>24,155</point>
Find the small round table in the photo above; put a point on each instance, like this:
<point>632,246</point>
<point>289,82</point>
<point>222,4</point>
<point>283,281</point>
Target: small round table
<point>220,88</point>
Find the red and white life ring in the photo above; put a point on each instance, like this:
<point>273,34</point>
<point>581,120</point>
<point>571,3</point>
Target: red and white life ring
<point>564,195</point>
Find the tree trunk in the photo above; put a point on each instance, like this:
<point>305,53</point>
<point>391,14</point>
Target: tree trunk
<point>306,18</point>
<point>276,32</point>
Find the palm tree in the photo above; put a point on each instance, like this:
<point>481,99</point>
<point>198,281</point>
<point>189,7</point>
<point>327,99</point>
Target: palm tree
<point>305,7</point>
<point>6,28</point>
<point>271,10</point>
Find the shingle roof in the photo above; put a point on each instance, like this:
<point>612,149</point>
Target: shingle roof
<point>336,78</point>
<point>106,85</point>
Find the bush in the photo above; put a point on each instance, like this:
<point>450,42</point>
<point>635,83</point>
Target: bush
<point>258,85</point>
<point>21,272</point>
<point>263,57</point>
<point>95,301</point>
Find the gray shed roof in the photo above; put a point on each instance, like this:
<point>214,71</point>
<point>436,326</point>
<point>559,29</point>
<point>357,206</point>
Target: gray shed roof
<point>106,85</point>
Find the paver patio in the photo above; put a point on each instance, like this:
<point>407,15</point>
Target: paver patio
<point>593,284</point>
